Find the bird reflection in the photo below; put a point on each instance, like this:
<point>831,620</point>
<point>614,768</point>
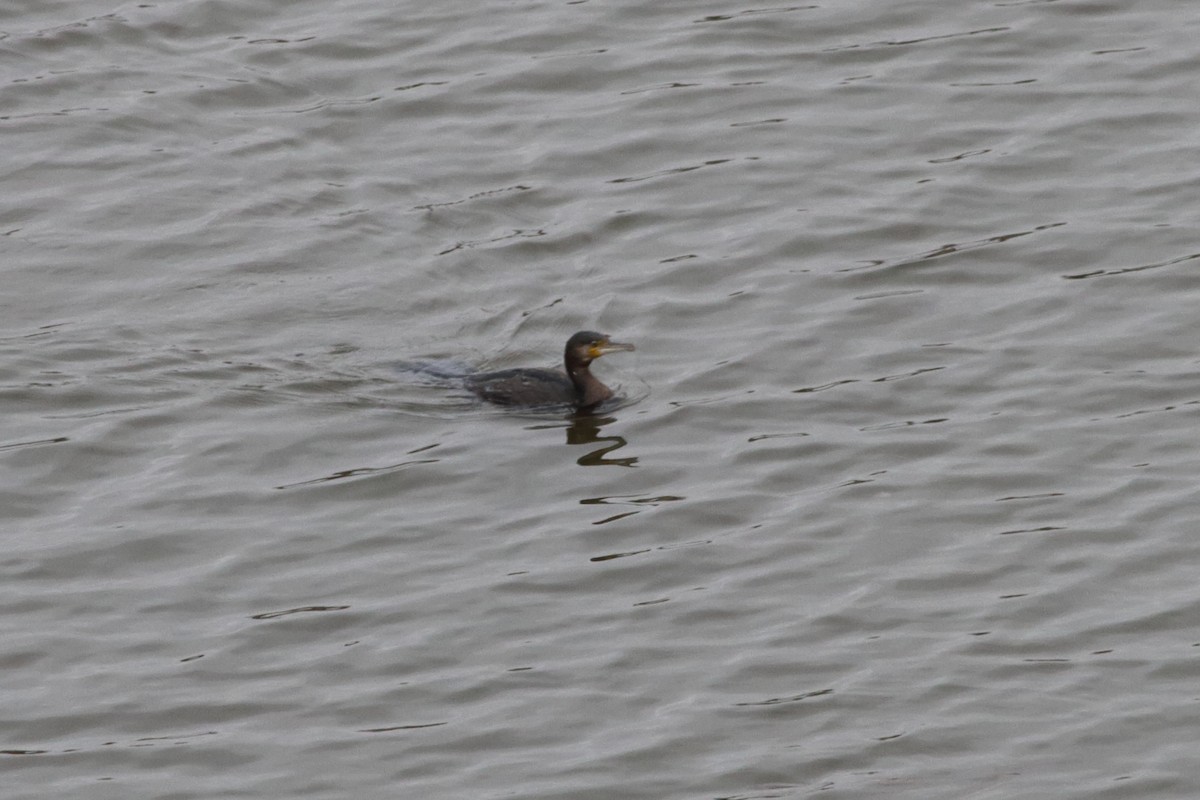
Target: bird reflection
<point>585,430</point>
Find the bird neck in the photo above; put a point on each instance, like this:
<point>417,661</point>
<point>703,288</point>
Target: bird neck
<point>591,391</point>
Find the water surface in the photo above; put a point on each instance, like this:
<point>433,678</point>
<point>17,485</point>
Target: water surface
<point>902,503</point>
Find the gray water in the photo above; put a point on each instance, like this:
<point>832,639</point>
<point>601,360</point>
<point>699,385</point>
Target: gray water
<point>902,502</point>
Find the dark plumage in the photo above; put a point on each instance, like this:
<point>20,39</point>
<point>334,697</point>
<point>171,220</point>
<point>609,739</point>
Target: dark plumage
<point>577,386</point>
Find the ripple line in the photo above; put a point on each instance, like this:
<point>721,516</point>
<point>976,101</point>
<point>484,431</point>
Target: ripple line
<point>301,610</point>
<point>775,701</point>
<point>358,473</point>
<point>34,443</point>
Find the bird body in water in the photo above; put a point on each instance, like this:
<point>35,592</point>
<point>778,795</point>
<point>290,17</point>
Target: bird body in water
<point>576,387</point>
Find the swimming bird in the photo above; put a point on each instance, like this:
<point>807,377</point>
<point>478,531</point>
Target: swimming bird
<point>532,388</point>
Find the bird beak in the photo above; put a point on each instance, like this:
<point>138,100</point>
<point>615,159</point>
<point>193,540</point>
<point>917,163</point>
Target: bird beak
<point>612,347</point>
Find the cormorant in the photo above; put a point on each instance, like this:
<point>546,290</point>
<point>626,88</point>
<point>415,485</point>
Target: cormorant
<point>577,387</point>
